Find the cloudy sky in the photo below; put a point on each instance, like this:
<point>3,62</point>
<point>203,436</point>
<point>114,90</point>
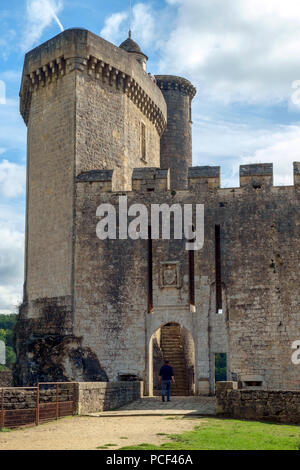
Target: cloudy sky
<point>242,55</point>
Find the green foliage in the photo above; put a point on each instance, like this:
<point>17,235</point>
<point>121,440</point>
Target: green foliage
<point>220,367</point>
<point>2,335</point>
<point>10,357</point>
<point>223,434</point>
<point>7,326</point>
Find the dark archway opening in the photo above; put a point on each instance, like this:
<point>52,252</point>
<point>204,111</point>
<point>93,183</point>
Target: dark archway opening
<point>175,343</point>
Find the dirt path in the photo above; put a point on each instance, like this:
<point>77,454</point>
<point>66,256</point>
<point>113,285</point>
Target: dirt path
<point>88,433</point>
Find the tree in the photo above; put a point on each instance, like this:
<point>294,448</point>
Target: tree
<point>7,325</point>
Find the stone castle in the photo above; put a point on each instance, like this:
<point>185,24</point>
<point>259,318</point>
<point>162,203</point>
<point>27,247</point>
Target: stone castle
<point>100,127</point>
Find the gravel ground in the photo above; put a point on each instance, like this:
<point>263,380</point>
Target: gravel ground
<point>88,433</point>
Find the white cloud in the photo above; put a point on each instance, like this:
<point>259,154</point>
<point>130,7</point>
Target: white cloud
<point>11,258</point>
<point>143,23</point>
<point>10,299</point>
<point>2,92</point>
<point>282,151</point>
<point>10,76</point>
<point>12,127</point>
<point>40,14</point>
<point>229,145</point>
<point>111,30</point>
<point>12,179</point>
<point>7,41</point>
<point>236,50</point>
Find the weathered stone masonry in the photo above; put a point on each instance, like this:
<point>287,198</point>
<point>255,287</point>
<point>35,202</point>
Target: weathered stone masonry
<point>85,315</point>
<point>281,406</point>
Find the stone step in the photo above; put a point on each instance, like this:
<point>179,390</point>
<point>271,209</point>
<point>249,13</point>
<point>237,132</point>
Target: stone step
<point>177,342</point>
<point>176,358</point>
<point>176,351</point>
<point>171,336</point>
<point>173,351</point>
<point>165,341</point>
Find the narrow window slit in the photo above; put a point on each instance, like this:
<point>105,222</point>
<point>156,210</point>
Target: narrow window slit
<point>143,141</point>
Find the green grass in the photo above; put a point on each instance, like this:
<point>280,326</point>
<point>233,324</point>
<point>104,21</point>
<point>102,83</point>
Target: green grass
<point>219,434</point>
<point>106,446</point>
<point>174,417</point>
<point>5,430</point>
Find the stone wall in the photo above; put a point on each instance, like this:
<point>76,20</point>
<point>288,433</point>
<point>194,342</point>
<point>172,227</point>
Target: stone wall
<point>20,399</point>
<point>266,405</point>
<point>158,360</point>
<point>109,136</point>
<point>6,379</point>
<point>50,169</point>
<point>89,396</point>
<point>103,396</point>
<point>189,358</point>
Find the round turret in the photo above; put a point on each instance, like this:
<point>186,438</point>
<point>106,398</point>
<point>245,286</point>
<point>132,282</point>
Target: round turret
<point>133,48</point>
<point>176,142</point>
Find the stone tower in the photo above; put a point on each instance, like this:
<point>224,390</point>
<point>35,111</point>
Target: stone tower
<point>87,105</point>
<point>176,142</point>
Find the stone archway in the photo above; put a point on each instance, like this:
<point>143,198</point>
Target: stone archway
<point>174,342</point>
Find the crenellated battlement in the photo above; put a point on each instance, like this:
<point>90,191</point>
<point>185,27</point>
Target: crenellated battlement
<point>205,175</point>
<point>297,173</point>
<point>255,176</point>
<point>180,84</point>
<point>104,177</point>
<point>150,179</point>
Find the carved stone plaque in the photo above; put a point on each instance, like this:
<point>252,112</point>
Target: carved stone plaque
<point>169,274</point>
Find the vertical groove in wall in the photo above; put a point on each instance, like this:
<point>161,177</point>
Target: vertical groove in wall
<point>150,272</point>
<point>218,268</point>
<point>192,277</point>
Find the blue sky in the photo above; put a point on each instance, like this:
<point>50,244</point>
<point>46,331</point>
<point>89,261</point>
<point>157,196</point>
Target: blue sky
<point>243,57</point>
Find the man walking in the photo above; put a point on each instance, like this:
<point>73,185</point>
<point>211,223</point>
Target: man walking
<point>166,376</point>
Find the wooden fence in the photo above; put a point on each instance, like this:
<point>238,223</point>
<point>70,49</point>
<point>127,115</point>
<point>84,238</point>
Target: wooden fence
<point>23,406</point>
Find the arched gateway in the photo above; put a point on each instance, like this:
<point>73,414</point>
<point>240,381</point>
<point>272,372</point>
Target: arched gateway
<point>173,342</point>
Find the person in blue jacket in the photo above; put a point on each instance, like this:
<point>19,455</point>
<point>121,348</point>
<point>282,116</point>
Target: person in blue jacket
<point>166,377</point>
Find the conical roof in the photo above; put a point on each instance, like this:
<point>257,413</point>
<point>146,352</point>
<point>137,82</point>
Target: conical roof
<point>131,46</point>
